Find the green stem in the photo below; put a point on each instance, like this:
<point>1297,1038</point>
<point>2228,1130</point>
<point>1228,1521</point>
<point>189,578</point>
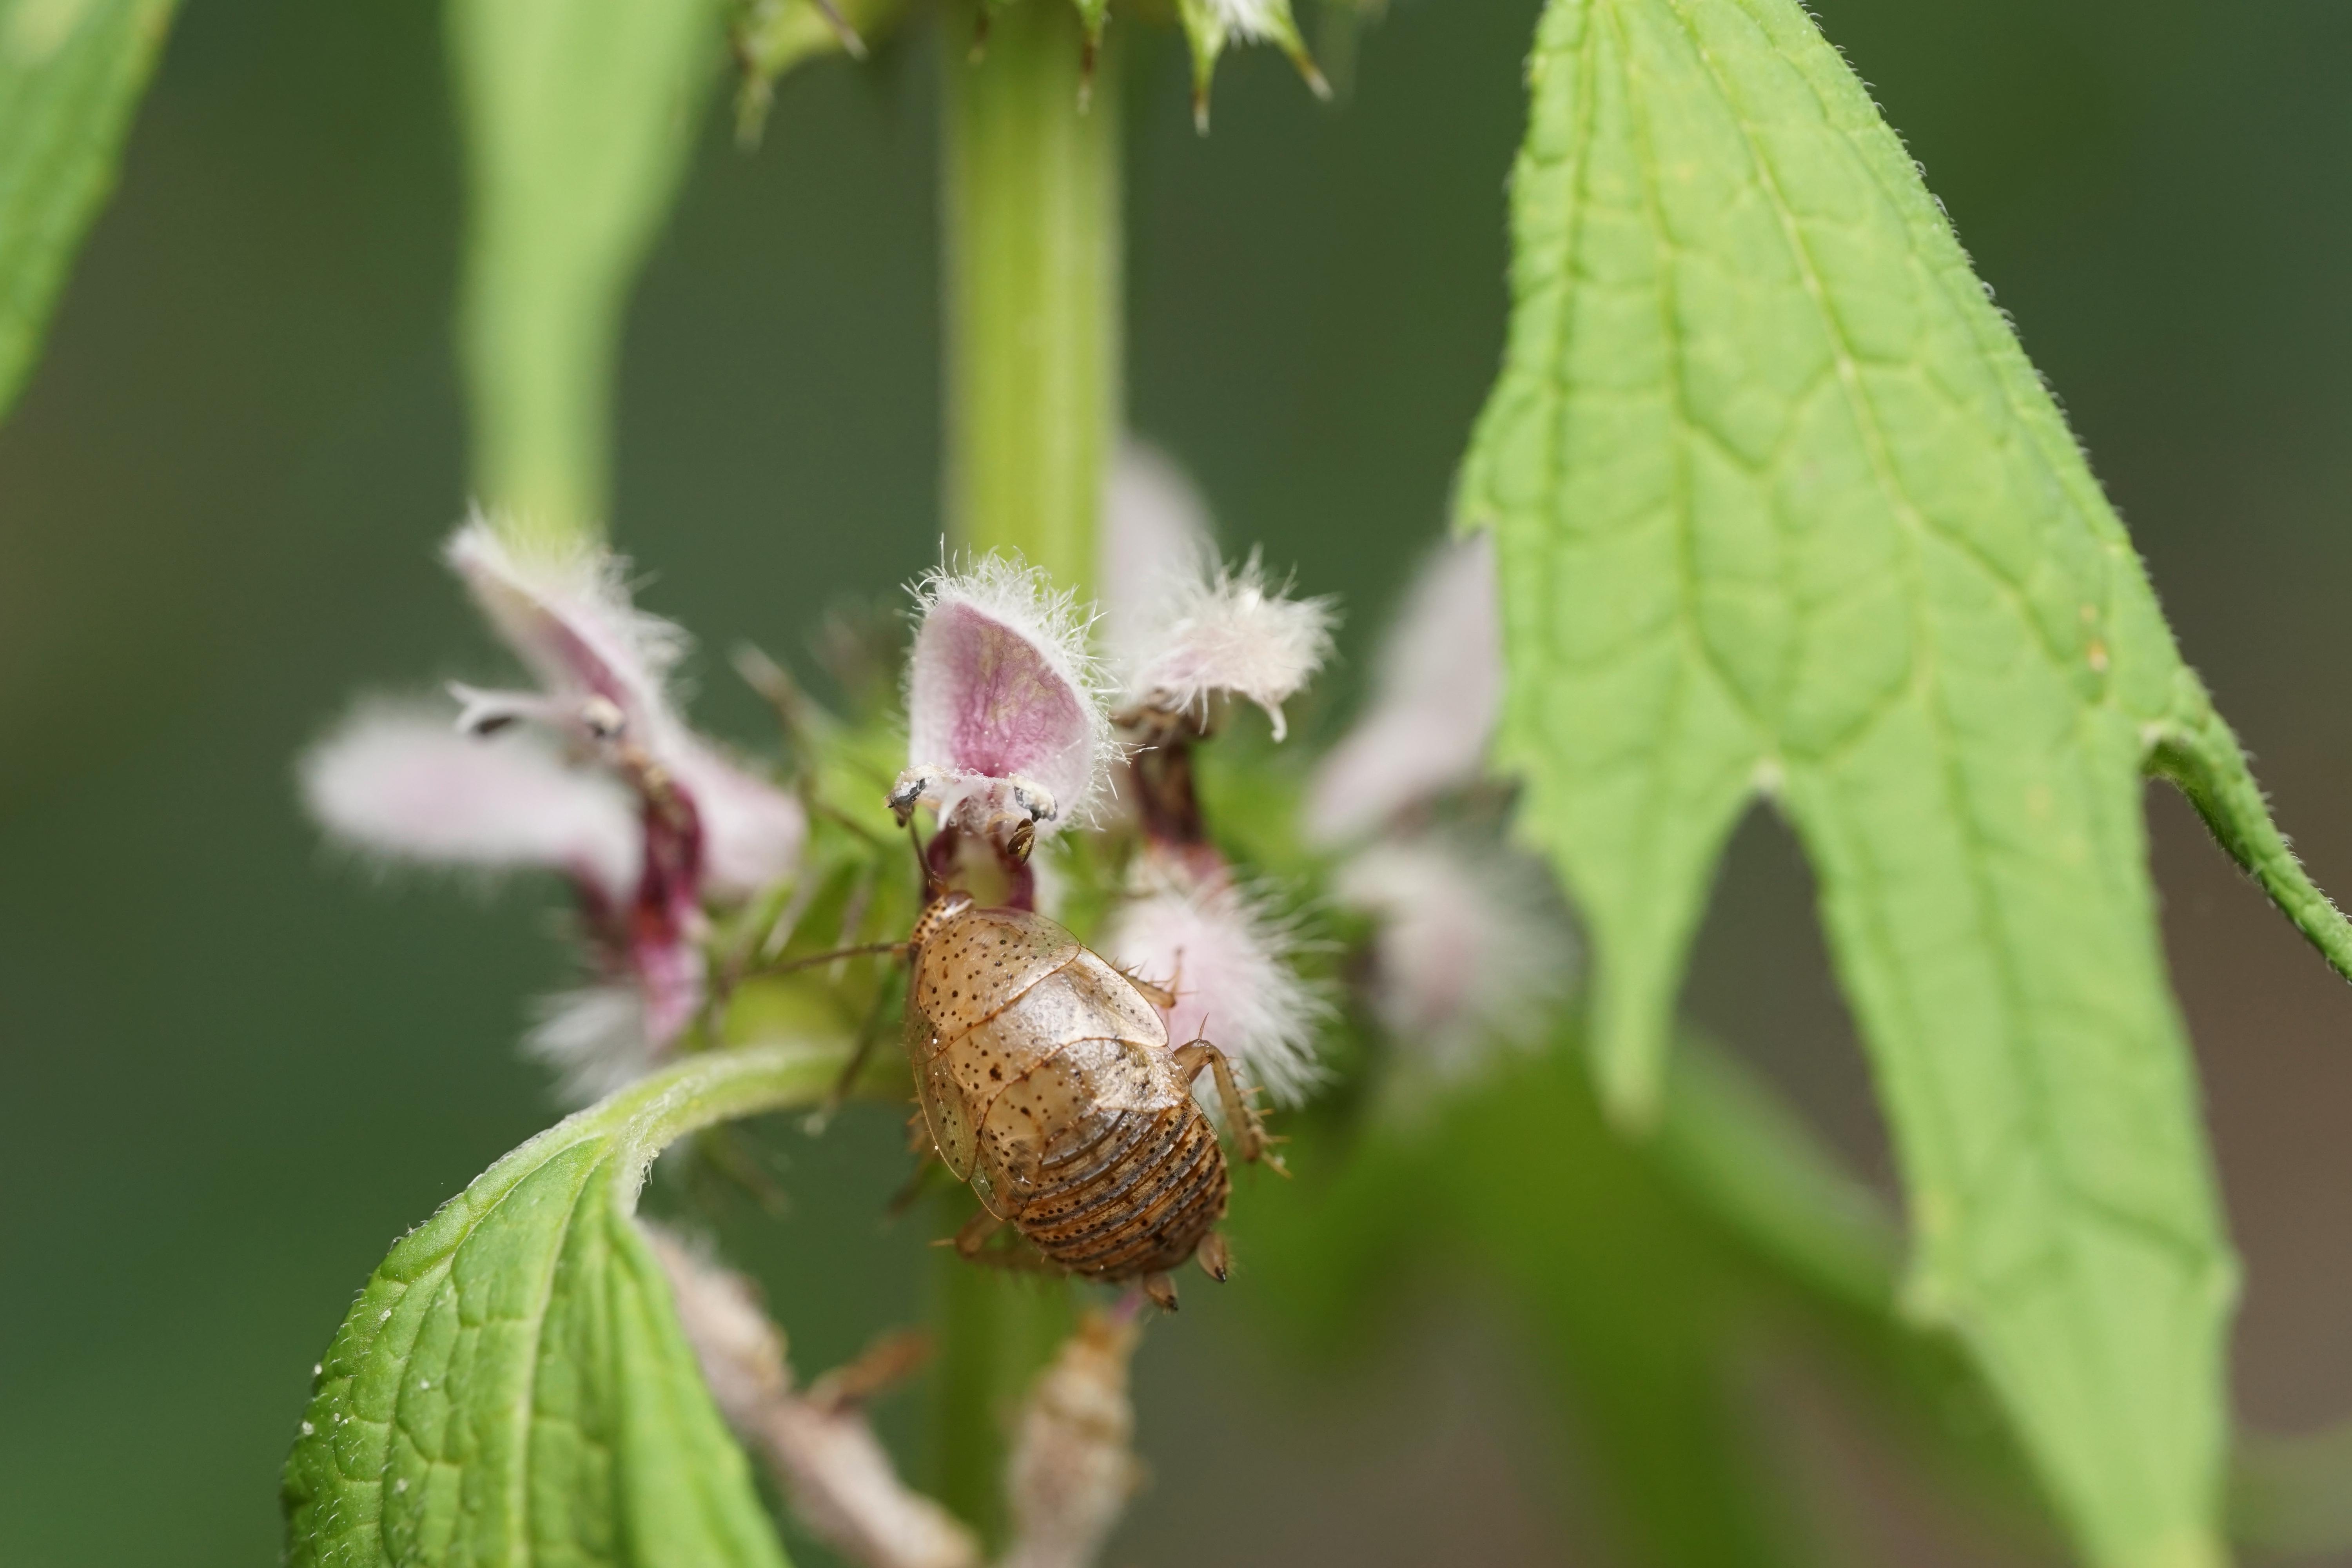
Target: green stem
<point>1030,231</point>
<point>1029,216</point>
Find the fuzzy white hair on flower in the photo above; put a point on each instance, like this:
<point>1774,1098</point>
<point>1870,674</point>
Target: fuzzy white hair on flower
<point>396,782</point>
<point>1226,956</point>
<point>1006,713</point>
<point>596,1039</point>
<point>1473,952</point>
<point>1226,631</point>
<point>1437,692</point>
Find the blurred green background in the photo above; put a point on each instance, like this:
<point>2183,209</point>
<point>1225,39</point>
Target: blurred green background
<point>235,1069</point>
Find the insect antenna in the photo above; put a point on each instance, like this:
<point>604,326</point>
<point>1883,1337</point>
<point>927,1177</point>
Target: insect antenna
<point>864,950</point>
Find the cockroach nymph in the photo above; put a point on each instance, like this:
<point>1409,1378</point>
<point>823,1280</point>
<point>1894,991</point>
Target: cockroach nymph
<point>1047,1082</point>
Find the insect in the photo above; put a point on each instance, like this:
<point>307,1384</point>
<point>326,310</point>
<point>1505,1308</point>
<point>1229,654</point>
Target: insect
<point>1047,1082</point>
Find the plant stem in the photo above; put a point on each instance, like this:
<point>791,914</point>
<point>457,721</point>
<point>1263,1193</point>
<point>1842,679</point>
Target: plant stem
<point>1030,230</point>
<point>1029,222</point>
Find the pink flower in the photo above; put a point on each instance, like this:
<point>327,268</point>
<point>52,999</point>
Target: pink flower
<point>1437,691</point>
<point>1005,715</point>
<point>592,773</point>
<point>1186,629</point>
<point>1473,949</point>
<point>1227,958</point>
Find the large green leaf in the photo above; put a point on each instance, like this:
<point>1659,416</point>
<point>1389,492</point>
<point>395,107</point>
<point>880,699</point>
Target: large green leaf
<point>1784,511</point>
<point>512,1385</point>
<point>577,117</point>
<point>70,73</point>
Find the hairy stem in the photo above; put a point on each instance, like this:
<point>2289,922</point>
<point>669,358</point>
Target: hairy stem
<point>1029,223</point>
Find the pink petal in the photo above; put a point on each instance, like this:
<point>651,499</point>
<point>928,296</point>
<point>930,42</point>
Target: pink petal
<point>1156,532</point>
<point>751,831</point>
<point>1474,950</point>
<point>399,782</point>
<point>999,685</point>
<point>564,608</point>
<point>1229,632</point>
<point>1437,691</point>
<point>1228,961</point>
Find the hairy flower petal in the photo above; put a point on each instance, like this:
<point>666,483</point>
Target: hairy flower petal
<point>1229,632</point>
<point>752,832</point>
<point>1437,691</point>
<point>1227,959</point>
<point>398,782</point>
<point>565,610</point>
<point>1000,686</point>
<point>1473,950</point>
<point>1156,532</point>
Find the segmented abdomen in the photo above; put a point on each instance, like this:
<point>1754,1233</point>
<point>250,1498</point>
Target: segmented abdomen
<point>1137,1201</point>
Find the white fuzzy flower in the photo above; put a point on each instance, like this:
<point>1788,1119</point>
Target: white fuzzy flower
<point>1006,711</point>
<point>1156,532</point>
<point>1473,949</point>
<point>1227,958</point>
<point>1185,629</point>
<point>1228,632</point>
<point>647,818</point>
<point>1437,692</point>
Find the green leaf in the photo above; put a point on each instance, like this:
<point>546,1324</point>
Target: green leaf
<point>577,117</point>
<point>512,1385</point>
<point>70,73</point>
<point>1783,510</point>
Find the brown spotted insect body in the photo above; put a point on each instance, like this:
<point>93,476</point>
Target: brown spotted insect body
<point>1048,1083</point>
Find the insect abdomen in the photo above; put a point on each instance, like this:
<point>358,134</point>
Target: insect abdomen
<point>1136,1202</point>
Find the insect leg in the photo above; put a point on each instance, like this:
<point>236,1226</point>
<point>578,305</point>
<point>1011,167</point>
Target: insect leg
<point>975,1233</point>
<point>1215,1258</point>
<point>1161,997</point>
<point>1249,1132</point>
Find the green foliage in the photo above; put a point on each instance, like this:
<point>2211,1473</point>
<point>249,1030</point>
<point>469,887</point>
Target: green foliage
<point>577,117</point>
<point>1783,510</point>
<point>70,73</point>
<point>512,1384</point>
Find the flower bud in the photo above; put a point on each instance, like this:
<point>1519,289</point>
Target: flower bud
<point>1073,1466</point>
<point>1211,25</point>
<point>834,1472</point>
